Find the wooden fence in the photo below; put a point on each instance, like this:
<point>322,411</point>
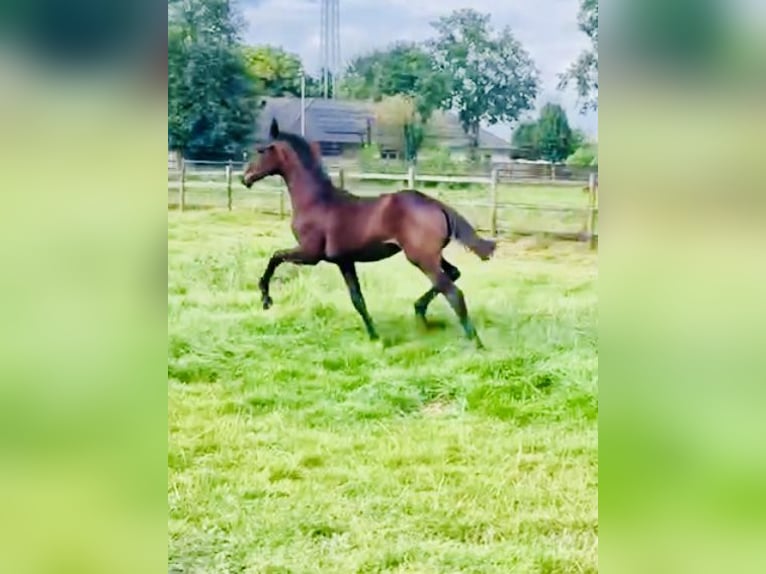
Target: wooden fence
<point>553,173</point>
<point>225,177</point>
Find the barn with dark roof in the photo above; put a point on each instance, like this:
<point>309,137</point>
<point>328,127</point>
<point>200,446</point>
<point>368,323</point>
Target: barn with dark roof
<point>339,126</point>
<point>342,127</point>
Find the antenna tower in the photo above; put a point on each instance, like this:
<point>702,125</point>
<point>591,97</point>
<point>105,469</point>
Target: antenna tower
<point>329,45</point>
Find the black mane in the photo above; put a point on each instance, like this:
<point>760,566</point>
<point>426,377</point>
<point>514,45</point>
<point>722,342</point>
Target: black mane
<point>303,150</point>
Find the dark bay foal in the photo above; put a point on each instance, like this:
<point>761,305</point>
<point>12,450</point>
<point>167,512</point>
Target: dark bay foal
<point>336,226</point>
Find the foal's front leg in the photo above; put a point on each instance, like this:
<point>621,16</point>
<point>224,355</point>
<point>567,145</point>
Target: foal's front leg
<point>297,255</point>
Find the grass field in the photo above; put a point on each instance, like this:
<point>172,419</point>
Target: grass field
<point>296,445</point>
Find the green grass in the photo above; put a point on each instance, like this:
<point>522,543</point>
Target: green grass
<point>296,445</point>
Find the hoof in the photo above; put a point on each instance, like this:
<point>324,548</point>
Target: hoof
<point>426,326</point>
<point>267,301</point>
<point>420,319</point>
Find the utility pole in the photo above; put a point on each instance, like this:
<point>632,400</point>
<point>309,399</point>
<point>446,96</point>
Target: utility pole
<point>324,48</point>
<point>303,103</point>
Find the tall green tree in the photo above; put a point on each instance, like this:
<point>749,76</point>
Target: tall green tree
<point>211,96</point>
<point>402,69</point>
<point>405,82</point>
<point>275,71</point>
<point>555,140</point>
<point>583,72</point>
<point>549,137</point>
<point>493,78</point>
<point>525,142</point>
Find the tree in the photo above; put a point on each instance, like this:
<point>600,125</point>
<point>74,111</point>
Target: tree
<point>313,86</point>
<point>399,125</point>
<point>584,71</point>
<point>579,138</point>
<point>493,79</point>
<point>524,142</point>
<point>549,137</point>
<point>405,69</point>
<point>211,97</point>
<point>405,82</point>
<point>586,155</point>
<point>555,140</point>
<point>275,72</point>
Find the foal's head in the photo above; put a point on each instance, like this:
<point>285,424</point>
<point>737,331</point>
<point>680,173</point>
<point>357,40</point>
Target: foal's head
<point>283,154</point>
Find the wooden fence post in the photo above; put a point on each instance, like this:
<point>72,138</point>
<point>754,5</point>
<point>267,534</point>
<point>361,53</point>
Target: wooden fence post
<point>282,203</point>
<point>592,209</point>
<point>182,187</point>
<point>228,185</point>
<point>553,171</point>
<point>411,177</point>
<point>493,200</point>
<point>341,179</point>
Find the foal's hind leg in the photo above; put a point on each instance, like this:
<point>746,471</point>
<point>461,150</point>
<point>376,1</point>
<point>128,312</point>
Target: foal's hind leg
<point>421,305</point>
<point>444,285</point>
<point>352,281</point>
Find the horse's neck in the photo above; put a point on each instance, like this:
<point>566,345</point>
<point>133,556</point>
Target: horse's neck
<point>305,188</point>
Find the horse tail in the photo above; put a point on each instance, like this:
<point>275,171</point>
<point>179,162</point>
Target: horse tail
<point>460,229</point>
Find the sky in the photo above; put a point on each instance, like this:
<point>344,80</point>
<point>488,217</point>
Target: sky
<point>546,28</point>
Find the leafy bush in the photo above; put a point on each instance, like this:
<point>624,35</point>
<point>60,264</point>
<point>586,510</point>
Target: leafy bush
<point>433,161</point>
<point>371,161</point>
<point>369,156</point>
<point>584,156</point>
<point>440,162</point>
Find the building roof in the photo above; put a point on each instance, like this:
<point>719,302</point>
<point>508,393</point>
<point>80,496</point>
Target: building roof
<point>445,127</point>
<point>327,120</point>
<point>347,121</point>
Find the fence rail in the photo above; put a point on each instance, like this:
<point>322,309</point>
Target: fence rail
<point>209,176</point>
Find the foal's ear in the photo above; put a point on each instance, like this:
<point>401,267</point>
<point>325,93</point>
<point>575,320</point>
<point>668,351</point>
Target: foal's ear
<point>274,129</point>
